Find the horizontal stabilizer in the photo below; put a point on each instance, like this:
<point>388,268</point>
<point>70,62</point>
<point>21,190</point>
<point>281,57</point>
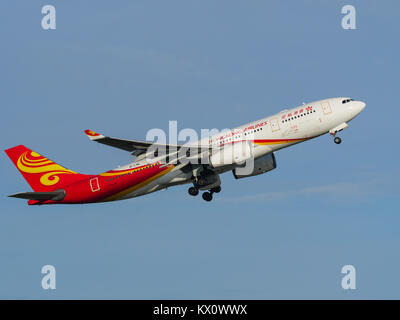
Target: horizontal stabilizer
<point>40,196</point>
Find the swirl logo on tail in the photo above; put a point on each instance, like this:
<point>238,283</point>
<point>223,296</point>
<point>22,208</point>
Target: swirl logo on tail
<point>32,162</point>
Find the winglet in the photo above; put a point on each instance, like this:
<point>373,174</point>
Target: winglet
<point>93,135</point>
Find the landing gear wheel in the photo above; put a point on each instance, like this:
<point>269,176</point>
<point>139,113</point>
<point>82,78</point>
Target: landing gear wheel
<point>216,189</point>
<point>207,196</point>
<point>337,140</point>
<point>193,191</point>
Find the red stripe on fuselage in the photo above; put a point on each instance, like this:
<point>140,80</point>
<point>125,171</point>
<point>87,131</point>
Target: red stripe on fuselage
<point>81,192</point>
<point>265,141</point>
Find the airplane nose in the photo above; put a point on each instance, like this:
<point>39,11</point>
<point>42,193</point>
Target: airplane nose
<point>357,106</point>
<point>361,105</point>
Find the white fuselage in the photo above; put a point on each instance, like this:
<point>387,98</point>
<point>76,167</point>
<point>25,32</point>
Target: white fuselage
<point>270,134</point>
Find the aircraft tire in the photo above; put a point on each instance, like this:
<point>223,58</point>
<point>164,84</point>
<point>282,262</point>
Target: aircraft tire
<point>193,191</point>
<point>207,196</point>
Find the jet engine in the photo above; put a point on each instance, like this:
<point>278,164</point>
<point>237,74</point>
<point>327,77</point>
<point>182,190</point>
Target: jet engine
<point>261,165</point>
<point>233,153</point>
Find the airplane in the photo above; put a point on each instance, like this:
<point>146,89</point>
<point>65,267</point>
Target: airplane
<point>258,141</point>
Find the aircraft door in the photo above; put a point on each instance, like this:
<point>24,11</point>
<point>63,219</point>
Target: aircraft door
<point>326,107</point>
<point>94,184</point>
<point>274,123</point>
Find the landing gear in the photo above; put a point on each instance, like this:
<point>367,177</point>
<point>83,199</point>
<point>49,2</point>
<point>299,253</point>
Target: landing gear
<point>201,182</point>
<point>334,131</point>
<point>337,140</point>
<point>193,191</point>
<point>207,196</point>
<point>203,179</point>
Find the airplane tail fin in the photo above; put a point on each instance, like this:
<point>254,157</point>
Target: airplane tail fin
<point>42,174</point>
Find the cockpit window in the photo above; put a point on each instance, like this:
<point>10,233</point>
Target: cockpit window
<point>347,100</point>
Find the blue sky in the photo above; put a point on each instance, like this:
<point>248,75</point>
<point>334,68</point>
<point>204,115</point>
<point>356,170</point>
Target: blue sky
<point>124,67</point>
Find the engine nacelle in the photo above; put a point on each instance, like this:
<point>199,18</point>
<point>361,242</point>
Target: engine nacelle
<point>234,153</point>
<point>261,165</point>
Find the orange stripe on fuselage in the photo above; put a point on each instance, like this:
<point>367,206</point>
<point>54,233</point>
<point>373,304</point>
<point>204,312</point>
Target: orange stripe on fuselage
<point>266,141</point>
<point>137,186</point>
<point>112,173</point>
<point>277,141</point>
<point>110,187</point>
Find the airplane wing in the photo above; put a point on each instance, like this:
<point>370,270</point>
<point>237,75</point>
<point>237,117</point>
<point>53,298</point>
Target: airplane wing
<point>135,147</point>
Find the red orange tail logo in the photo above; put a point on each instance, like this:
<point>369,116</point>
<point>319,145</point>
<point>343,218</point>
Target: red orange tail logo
<point>32,162</point>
